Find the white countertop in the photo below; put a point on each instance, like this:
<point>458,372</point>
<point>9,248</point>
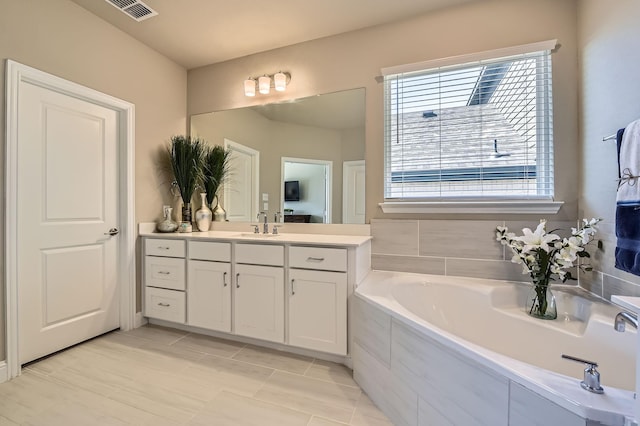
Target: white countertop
<point>629,302</point>
<point>237,236</point>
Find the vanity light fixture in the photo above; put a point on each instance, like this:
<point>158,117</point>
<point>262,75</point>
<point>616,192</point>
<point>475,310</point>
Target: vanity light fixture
<point>265,82</point>
<point>250,87</point>
<point>280,81</point>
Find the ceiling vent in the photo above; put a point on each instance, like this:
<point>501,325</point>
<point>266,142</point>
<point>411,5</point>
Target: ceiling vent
<point>135,9</point>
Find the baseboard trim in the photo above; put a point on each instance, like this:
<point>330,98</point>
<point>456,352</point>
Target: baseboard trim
<point>139,320</point>
<point>4,371</point>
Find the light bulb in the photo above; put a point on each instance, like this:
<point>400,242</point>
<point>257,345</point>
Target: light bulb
<point>264,84</point>
<point>249,87</point>
<point>280,81</point>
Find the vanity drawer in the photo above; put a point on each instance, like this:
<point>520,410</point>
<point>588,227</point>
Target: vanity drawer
<point>260,254</point>
<point>168,248</point>
<point>326,259</point>
<point>165,272</point>
<point>164,304</point>
<point>218,252</point>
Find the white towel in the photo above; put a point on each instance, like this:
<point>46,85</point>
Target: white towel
<point>629,187</point>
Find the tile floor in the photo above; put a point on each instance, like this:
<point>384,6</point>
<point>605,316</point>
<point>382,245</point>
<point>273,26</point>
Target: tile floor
<point>160,376</point>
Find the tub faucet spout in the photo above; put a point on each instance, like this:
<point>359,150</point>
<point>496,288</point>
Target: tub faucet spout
<point>623,318</point>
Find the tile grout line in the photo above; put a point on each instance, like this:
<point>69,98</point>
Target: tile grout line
<point>311,364</point>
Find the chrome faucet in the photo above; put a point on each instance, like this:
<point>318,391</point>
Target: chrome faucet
<point>265,225</point>
<point>625,317</point>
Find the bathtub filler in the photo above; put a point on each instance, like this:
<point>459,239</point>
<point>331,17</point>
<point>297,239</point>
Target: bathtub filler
<point>451,350</point>
<point>625,317</point>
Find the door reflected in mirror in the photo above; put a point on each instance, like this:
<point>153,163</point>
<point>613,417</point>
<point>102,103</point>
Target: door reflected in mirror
<point>297,140</point>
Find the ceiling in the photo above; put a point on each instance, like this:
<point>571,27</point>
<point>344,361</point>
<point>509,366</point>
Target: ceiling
<point>194,33</point>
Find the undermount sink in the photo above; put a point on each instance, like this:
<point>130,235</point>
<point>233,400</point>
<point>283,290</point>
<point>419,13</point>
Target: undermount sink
<point>254,235</point>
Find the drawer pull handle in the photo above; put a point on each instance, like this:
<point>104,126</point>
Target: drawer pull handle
<point>292,290</point>
<point>164,305</point>
<point>315,259</point>
<point>163,248</point>
<point>164,273</point>
<point>224,279</point>
<point>238,280</point>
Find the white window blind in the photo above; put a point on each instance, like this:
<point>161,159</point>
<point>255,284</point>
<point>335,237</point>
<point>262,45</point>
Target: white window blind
<point>475,130</point>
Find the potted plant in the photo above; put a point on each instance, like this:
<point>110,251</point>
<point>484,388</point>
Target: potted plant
<point>185,156</point>
<point>215,172</point>
<point>544,255</point>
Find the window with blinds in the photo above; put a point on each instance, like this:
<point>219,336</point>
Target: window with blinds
<point>477,130</point>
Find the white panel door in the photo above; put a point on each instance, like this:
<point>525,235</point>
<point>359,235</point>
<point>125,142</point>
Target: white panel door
<point>353,200</point>
<point>67,202</point>
<point>209,295</point>
<point>318,310</point>
<point>241,188</point>
<point>259,302</point>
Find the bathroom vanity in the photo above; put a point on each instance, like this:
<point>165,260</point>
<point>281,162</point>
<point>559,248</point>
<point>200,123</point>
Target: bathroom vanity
<point>287,289</point>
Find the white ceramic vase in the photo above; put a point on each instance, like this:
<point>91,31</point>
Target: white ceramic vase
<point>204,216</point>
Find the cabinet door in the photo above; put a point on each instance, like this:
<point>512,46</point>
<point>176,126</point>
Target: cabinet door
<point>209,295</point>
<point>259,302</point>
<point>318,310</point>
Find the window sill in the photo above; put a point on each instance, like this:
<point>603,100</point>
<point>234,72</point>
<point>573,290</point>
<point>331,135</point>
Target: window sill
<point>480,207</point>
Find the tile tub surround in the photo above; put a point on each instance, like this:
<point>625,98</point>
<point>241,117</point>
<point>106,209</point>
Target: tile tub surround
<point>162,376</point>
<point>465,248</point>
<point>420,374</point>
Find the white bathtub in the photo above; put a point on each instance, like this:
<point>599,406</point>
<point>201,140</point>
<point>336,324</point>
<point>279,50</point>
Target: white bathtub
<point>481,327</point>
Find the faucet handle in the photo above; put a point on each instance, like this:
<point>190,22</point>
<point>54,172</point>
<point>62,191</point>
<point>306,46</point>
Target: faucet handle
<point>591,380</point>
<point>256,229</point>
<point>275,229</point>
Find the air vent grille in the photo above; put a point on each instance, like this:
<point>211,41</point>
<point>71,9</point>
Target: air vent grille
<point>135,9</point>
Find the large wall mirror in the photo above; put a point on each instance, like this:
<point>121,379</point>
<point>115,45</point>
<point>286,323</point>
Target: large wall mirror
<point>304,158</point>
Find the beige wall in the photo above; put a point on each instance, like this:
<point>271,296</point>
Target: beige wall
<point>610,99</point>
<point>61,38</point>
<point>354,60</point>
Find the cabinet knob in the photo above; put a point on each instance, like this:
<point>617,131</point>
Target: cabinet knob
<point>238,280</point>
<point>165,305</point>
<point>292,289</point>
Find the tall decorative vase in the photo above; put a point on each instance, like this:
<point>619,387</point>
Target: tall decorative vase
<point>203,214</point>
<point>219,214</point>
<point>541,303</point>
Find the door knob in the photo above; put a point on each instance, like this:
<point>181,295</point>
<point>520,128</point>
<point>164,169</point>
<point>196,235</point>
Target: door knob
<point>112,232</point>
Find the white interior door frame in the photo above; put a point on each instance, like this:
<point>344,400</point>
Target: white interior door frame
<point>328,182</point>
<point>16,74</point>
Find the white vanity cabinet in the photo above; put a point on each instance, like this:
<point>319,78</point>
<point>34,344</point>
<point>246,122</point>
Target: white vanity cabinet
<point>317,298</point>
<point>209,285</point>
<point>290,290</point>
<point>258,308</point>
<point>165,280</point>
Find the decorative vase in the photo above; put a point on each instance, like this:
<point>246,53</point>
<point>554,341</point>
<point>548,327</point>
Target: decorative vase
<point>167,224</point>
<point>219,214</point>
<point>203,214</point>
<point>186,212</point>
<point>541,303</point>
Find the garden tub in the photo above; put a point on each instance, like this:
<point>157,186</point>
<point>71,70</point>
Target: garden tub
<point>433,349</point>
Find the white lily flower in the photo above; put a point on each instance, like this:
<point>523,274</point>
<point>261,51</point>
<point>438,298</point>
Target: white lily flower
<point>537,239</point>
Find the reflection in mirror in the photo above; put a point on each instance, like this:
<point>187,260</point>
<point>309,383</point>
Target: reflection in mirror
<point>317,141</point>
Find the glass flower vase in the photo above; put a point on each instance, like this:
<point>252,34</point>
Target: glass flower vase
<point>541,303</point>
